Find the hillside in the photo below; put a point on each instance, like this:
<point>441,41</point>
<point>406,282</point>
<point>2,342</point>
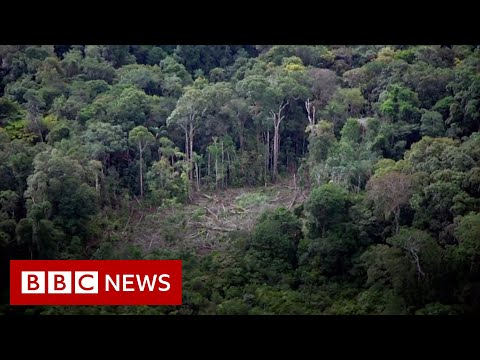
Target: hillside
<point>290,179</point>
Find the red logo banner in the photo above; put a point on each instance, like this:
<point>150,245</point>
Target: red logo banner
<point>95,282</point>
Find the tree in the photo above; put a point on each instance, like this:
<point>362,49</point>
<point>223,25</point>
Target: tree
<point>274,242</point>
<point>104,139</point>
<point>60,203</point>
<point>141,138</point>
<point>34,105</point>
<point>239,108</point>
<point>382,144</point>
<point>325,207</point>
<point>168,181</point>
<point>323,84</point>
<point>351,131</point>
<point>432,124</point>
<point>387,267</point>
<point>389,192</point>
<point>285,90</point>
<point>270,97</point>
<point>399,103</point>
<point>467,232</point>
<point>147,78</point>
<point>420,247</point>
<point>332,254</point>
<point>190,109</point>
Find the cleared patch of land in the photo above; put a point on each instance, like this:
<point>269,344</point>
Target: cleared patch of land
<point>205,223</point>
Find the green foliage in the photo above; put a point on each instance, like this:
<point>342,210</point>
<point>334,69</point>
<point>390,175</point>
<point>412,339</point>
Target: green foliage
<point>468,234</point>
<point>439,309</point>
<point>167,182</point>
<point>351,131</point>
<point>399,104</point>
<point>272,249</point>
<point>327,205</point>
<point>250,199</point>
<point>378,145</point>
<point>432,124</point>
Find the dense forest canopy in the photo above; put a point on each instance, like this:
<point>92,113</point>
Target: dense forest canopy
<point>289,179</point>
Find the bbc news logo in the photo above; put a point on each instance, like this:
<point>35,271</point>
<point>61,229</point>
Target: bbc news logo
<point>59,282</point>
<point>95,282</point>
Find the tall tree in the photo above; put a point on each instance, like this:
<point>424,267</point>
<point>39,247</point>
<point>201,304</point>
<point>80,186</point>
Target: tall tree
<point>389,193</point>
<point>190,109</point>
<point>285,89</point>
<point>141,138</point>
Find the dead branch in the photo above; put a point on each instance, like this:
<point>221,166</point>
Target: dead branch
<point>293,200</point>
<point>128,221</point>
<point>138,222</point>
<point>211,212</point>
<point>151,241</point>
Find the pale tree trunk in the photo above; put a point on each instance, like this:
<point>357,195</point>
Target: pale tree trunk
<point>192,128</point>
<point>141,169</point>
<point>186,145</point>
<point>216,171</point>
<point>197,176</point>
<point>229,167</point>
<point>97,183</point>
<point>416,259</point>
<point>187,142</point>
<point>277,120</point>
<point>413,248</point>
<point>208,166</point>
<point>311,116</point>
<point>276,144</point>
<point>267,157</point>
<point>223,168</point>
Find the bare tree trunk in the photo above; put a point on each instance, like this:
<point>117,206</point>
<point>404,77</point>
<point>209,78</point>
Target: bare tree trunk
<point>311,115</point>
<point>185,130</point>
<point>97,183</point>
<point>416,259</point>
<point>267,156</point>
<point>191,152</point>
<point>276,149</point>
<point>216,171</point>
<point>223,168</point>
<point>197,176</point>
<point>277,119</point>
<point>141,170</point>
<point>229,167</point>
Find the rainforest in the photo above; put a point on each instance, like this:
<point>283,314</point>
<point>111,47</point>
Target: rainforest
<point>289,179</point>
